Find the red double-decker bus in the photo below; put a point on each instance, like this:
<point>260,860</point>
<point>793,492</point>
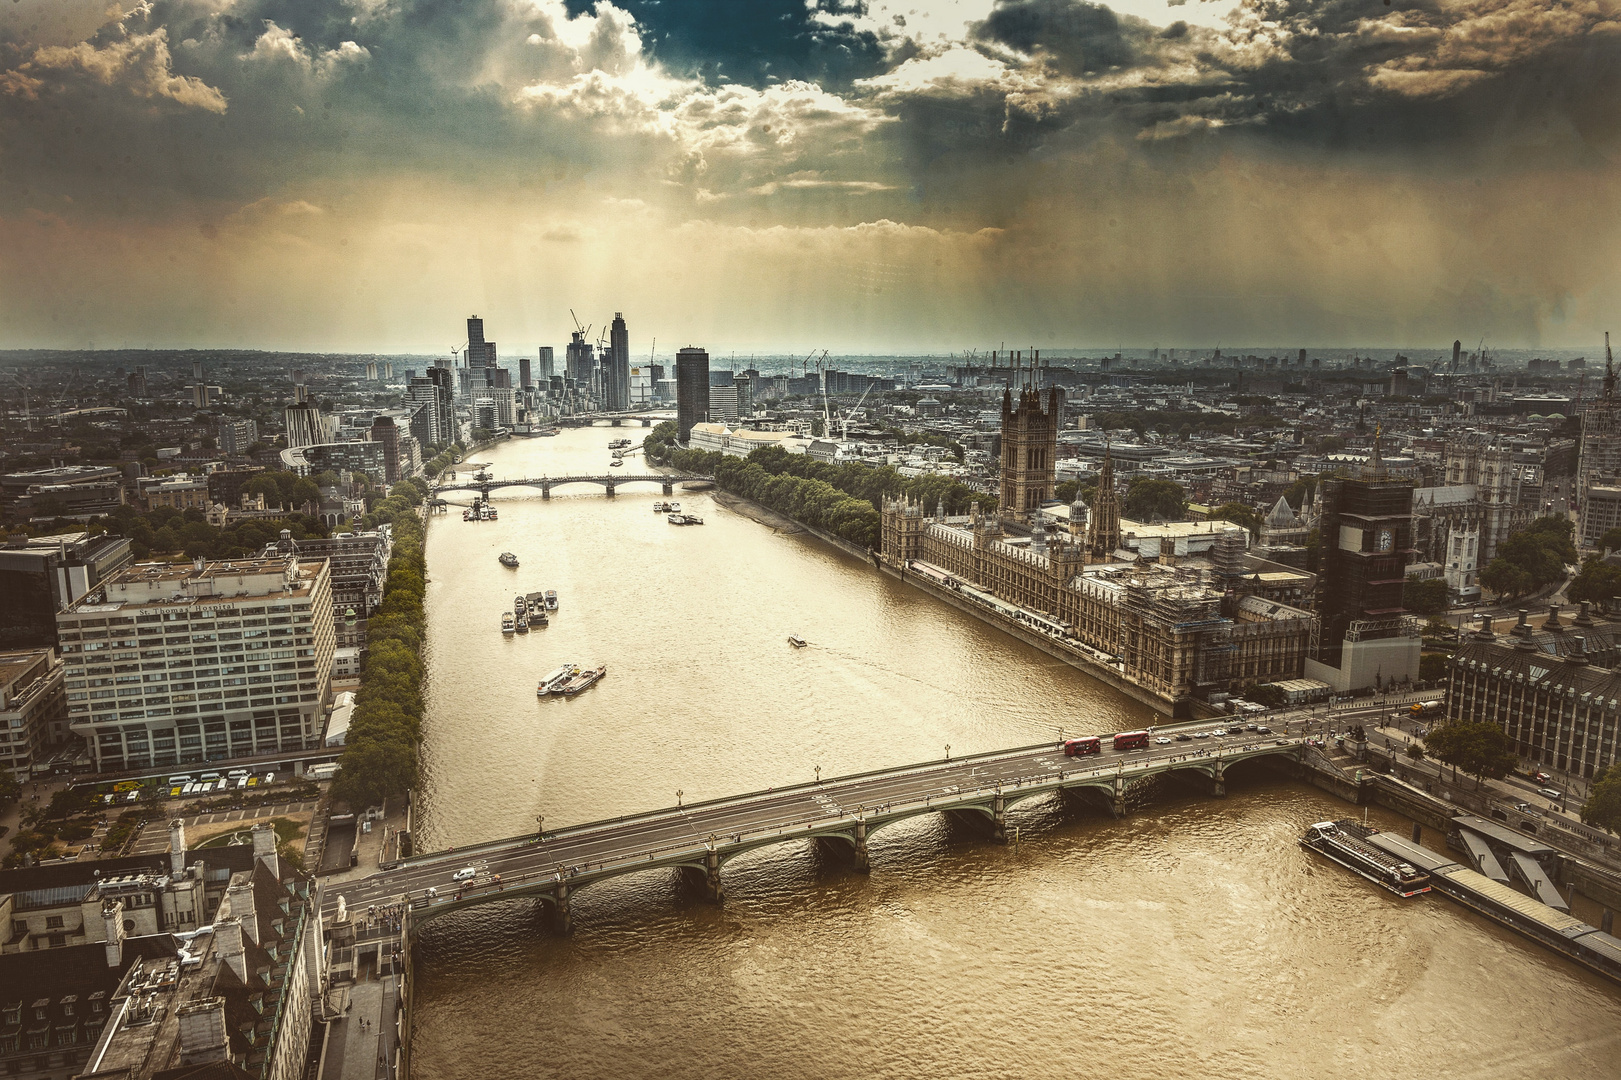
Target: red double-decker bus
<point>1089,745</point>
<point>1130,740</point>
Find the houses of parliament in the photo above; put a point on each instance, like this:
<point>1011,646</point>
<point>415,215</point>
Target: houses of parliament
<point>1179,609</point>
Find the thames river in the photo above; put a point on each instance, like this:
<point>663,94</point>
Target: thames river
<point>1192,938</point>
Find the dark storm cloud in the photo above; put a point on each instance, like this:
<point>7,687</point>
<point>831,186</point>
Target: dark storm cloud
<point>1074,37</point>
<point>757,42</point>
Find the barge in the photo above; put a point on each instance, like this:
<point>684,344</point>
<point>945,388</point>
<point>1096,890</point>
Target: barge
<point>1342,842</point>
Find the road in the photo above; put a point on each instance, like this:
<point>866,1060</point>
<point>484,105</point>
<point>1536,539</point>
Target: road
<point>772,812</point>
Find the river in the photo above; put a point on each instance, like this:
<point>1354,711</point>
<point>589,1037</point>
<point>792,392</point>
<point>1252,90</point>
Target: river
<point>1192,937</point>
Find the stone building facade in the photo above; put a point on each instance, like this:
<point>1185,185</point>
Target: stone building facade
<point>1029,448</point>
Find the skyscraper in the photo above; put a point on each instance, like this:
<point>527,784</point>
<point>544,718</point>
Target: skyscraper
<point>524,382</point>
<point>307,425</point>
<point>619,364</point>
<point>691,390</point>
<point>547,368</point>
<point>579,359</point>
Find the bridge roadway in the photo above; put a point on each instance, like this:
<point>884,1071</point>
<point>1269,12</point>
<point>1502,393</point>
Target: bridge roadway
<point>666,482</point>
<point>843,812</point>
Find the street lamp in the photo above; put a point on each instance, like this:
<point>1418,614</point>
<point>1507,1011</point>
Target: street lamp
<point>540,825</point>
<point>678,794</point>
<point>948,751</point>
<point>818,774</point>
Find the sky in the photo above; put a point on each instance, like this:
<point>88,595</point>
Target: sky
<point>781,176</point>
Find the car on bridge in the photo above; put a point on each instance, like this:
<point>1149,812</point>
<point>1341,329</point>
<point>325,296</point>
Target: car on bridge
<point>1183,736</point>
<point>466,873</point>
<point>1163,740</point>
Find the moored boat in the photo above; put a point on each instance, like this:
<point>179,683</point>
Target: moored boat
<point>685,519</point>
<point>509,560</point>
<point>551,599</point>
<point>582,679</point>
<point>796,641</point>
<point>556,678</point>
<point>508,625</point>
<point>1338,841</point>
<point>522,624</point>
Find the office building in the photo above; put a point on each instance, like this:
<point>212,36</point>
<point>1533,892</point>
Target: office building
<point>41,575</point>
<point>723,401</point>
<point>524,382</point>
<point>385,434</point>
<point>617,368</point>
<point>1368,639</point>
<point>480,353</point>
<point>365,458</point>
<point>691,390</point>
<point>655,379</point>
<point>580,363</point>
<point>33,709</point>
<point>16,486</point>
<point>235,436</point>
<point>171,664</point>
<point>359,569</point>
<point>307,425</point>
<point>546,369</point>
<point>181,493</point>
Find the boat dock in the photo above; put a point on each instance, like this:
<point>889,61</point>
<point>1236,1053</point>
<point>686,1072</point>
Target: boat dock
<point>1589,946</point>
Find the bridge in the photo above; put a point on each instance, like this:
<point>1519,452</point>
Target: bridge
<point>841,813</point>
<point>614,419</point>
<point>666,483</point>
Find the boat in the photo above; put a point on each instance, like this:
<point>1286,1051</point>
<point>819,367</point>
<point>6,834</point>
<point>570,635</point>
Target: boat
<point>1342,841</point>
<point>538,618</point>
<point>521,624</point>
<point>548,432</point>
<point>467,515</point>
<point>661,507</point>
<point>582,679</point>
<point>507,623</point>
<point>615,463</point>
<point>520,606</point>
<point>796,641</point>
<point>509,560</point>
<point>551,599</point>
<point>685,519</point>
<point>674,508</point>
<point>554,679</point>
<point>618,444</point>
<point>490,514</point>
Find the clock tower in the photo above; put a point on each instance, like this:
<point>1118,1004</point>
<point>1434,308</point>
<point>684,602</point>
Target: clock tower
<point>1364,547</point>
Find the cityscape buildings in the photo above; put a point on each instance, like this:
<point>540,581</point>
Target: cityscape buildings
<point>691,390</point>
<point>33,709</point>
<point>618,365</point>
<point>174,663</point>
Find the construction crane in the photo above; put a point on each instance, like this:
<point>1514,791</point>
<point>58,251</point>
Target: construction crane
<point>804,365</point>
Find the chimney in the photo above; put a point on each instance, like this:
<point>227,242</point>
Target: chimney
<point>264,847</point>
<point>177,847</point>
<point>239,897</point>
<point>1578,650</point>
<point>112,917</point>
<point>1585,616</point>
<point>228,943</point>
<point>202,1031</point>
<point>1553,618</point>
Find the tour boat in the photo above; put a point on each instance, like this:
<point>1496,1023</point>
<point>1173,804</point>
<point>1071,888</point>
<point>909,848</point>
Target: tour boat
<point>467,515</point>
<point>615,463</point>
<point>583,679</point>
<point>509,560</point>
<point>551,599</point>
<point>553,679</point>
<point>661,507</point>
<point>796,641</point>
<point>507,623</point>
<point>1337,841</point>
<point>674,508</point>
<point>491,514</point>
<point>619,444</point>
<point>685,519</point>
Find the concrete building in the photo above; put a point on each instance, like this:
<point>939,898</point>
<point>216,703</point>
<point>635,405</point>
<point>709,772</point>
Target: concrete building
<point>180,493</point>
<point>307,425</point>
<point>41,575</point>
<point>1553,688</point>
<point>235,436</point>
<point>359,570</point>
<point>242,1000</point>
<point>33,709</point>
<point>723,404</point>
<point>170,664</point>
<point>617,367</point>
<point>691,390</point>
<point>361,457</point>
<point>740,442</point>
<point>547,367</point>
<point>21,487</point>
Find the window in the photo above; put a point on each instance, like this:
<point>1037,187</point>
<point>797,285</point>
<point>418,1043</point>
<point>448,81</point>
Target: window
<point>53,922</point>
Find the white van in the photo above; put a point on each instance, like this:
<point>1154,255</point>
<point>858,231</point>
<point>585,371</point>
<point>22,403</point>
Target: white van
<point>177,781</point>
<point>207,776</point>
<point>236,774</point>
<point>190,788</point>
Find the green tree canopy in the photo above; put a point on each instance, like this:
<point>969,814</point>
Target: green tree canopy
<point>1425,597</point>
<point>1603,806</point>
<point>1239,514</point>
<point>1481,750</point>
<point>1148,498</point>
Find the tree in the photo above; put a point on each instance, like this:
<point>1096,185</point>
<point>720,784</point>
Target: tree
<point>1415,751</point>
<point>1603,806</point>
<point>1424,597</point>
<point>1432,667</point>
<point>1506,579</point>
<point>1148,498</point>
<point>1481,750</point>
<point>1598,582</point>
<point>264,484</point>
<point>304,493</point>
<point>1239,514</point>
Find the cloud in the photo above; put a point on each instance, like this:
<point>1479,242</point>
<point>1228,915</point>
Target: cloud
<point>139,64</point>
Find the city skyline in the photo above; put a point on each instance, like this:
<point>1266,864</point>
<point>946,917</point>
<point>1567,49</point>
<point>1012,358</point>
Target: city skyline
<point>868,179</point>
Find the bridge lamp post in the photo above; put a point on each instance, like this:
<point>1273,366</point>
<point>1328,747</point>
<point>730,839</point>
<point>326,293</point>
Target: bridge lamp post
<point>540,825</point>
<point>818,773</point>
<point>678,794</point>
<point>948,752</point>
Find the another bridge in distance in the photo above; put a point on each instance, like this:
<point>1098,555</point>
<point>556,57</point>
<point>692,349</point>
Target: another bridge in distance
<point>547,483</point>
<point>842,812</point>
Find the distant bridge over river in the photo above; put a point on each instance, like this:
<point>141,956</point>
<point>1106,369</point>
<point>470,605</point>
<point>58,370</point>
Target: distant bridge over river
<point>666,483</point>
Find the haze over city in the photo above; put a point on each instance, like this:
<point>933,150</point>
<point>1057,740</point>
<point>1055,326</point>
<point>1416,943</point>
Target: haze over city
<point>864,176</point>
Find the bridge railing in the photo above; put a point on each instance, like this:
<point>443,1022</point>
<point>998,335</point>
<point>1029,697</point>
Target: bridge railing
<point>1061,778</point>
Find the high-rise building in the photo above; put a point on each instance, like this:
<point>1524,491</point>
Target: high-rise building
<point>579,360</point>
<point>1029,449</point>
<point>41,575</point>
<point>137,383</point>
<point>307,425</point>
<point>235,436</point>
<point>383,431</point>
<point>1598,463</point>
<point>691,390</point>
<point>618,366</point>
<point>1367,638</point>
<point>723,404</point>
<point>246,661</point>
<point>33,709</point>
<point>656,380</point>
<point>547,367</point>
<point>524,382</point>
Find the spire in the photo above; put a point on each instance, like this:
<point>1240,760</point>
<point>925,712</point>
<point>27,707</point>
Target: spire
<point>1376,464</point>
<point>1609,370</point>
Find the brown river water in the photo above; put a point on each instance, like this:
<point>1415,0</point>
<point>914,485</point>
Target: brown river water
<point>1192,938</point>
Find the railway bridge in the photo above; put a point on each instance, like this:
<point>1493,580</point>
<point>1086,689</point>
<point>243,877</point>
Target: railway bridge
<point>545,484</point>
<point>841,813</point>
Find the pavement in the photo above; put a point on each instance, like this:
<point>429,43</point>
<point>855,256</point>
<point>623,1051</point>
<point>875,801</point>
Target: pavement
<point>362,1042</point>
<point>155,838</point>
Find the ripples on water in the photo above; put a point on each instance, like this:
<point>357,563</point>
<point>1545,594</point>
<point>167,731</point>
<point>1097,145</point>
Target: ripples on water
<point>1193,937</point>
